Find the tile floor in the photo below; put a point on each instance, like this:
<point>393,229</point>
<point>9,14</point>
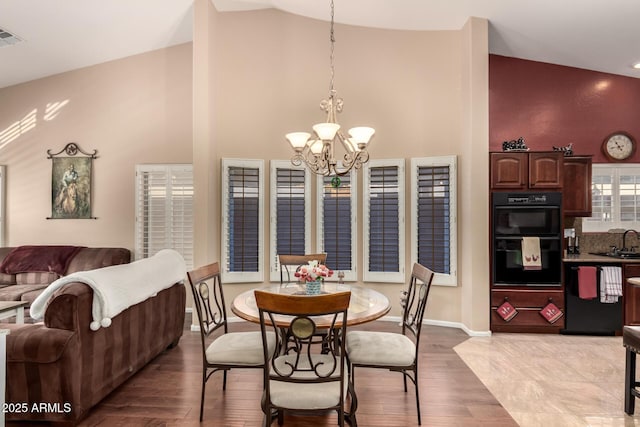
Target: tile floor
<point>553,380</point>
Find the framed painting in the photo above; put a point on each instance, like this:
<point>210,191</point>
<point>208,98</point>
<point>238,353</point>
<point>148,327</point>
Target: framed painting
<point>71,184</point>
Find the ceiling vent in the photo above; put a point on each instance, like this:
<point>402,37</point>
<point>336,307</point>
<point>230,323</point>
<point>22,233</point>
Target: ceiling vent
<point>7,39</point>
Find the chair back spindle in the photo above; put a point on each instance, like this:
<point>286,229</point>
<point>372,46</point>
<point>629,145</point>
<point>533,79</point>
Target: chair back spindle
<point>416,300</point>
<point>209,299</point>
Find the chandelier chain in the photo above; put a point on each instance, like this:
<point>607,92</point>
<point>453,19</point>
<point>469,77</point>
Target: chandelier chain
<point>332,41</point>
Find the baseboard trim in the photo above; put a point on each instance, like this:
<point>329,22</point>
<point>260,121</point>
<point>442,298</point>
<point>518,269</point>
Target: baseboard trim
<point>445,324</point>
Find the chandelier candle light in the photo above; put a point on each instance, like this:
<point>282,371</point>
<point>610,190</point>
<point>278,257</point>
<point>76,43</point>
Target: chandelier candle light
<point>319,154</point>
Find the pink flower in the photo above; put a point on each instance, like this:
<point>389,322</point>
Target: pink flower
<point>313,272</point>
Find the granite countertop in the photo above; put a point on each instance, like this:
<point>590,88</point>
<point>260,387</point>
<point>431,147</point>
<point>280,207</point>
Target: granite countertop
<point>599,259</point>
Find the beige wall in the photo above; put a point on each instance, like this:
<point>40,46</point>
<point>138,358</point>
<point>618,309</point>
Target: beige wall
<point>249,78</point>
<point>133,110</point>
<point>415,88</point>
<point>206,175</point>
<point>473,237</point>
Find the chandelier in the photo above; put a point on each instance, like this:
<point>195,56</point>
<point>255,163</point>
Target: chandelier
<point>318,152</point>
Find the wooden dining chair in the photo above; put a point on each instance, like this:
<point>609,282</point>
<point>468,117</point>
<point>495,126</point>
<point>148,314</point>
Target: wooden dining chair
<point>226,350</point>
<point>297,377</point>
<point>289,264</point>
<point>391,350</point>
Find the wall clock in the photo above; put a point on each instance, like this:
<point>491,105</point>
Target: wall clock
<point>619,146</point>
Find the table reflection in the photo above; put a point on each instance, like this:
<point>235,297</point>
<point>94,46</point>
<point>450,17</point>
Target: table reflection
<point>366,304</point>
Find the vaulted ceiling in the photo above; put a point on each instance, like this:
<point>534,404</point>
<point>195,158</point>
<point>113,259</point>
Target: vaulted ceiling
<point>62,35</point>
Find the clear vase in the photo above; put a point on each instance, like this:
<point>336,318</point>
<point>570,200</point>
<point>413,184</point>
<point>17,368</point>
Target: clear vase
<point>313,288</point>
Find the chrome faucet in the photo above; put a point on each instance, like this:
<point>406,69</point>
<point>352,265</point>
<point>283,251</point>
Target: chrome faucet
<point>624,240</point>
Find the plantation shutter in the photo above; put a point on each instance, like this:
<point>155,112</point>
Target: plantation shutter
<point>615,198</point>
<point>243,212</point>
<point>602,194</point>
<point>384,238</point>
<point>433,185</point>
<point>336,217</point>
<point>629,197</point>
<point>290,211</point>
<point>164,210</point>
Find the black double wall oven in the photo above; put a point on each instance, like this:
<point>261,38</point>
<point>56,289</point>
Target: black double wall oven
<point>526,214</point>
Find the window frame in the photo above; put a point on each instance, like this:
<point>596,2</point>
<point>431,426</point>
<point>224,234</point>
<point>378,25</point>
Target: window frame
<point>441,279</point>
<point>349,275</point>
<point>589,225</point>
<point>274,265</point>
<point>375,276</point>
<point>140,196</point>
<point>234,276</point>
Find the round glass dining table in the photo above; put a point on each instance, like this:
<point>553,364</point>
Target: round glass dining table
<point>365,305</point>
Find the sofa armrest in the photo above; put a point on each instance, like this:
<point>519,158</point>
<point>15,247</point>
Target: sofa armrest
<point>67,305</point>
<point>43,366</point>
<point>37,344</point>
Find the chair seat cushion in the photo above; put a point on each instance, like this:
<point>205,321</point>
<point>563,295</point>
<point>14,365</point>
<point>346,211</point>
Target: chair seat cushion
<point>379,348</point>
<point>239,348</point>
<point>307,396</point>
<point>631,338</point>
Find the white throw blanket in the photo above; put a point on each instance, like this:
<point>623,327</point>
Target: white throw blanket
<point>118,287</point>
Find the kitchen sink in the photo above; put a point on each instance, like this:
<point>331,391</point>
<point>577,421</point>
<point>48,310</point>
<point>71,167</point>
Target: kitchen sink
<point>623,253</point>
<point>619,254</point>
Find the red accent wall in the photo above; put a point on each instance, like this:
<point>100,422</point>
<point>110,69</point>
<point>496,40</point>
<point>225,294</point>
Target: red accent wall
<point>552,105</point>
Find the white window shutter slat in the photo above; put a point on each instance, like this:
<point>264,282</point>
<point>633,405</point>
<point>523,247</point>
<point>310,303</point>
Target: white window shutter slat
<point>383,208</point>
<point>164,211</point>
<point>242,223</point>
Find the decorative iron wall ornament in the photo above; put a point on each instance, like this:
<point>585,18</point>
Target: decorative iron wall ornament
<point>71,182</point>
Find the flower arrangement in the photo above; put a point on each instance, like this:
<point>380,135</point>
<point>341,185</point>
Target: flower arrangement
<point>313,272</point>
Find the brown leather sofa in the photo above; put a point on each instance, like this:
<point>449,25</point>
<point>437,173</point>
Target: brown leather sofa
<point>64,368</point>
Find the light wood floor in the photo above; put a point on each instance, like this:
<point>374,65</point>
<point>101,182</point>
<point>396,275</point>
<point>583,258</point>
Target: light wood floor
<point>167,392</point>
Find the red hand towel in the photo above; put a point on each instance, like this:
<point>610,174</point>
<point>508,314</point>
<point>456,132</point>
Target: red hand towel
<point>551,312</point>
<point>587,288</point>
<point>507,311</point>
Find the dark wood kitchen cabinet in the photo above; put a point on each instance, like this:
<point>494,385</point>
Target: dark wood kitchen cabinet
<point>528,303</point>
<point>509,170</point>
<point>631,294</point>
<point>577,186</point>
<point>520,171</point>
<point>526,170</point>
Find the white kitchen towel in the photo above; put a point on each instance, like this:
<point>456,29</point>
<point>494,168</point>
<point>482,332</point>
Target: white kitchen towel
<point>531,253</point>
<point>118,287</point>
<point>610,284</point>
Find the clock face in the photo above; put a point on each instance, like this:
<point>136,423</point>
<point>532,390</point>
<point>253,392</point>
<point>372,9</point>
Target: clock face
<point>619,146</point>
